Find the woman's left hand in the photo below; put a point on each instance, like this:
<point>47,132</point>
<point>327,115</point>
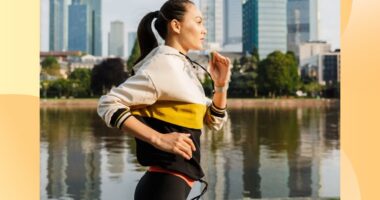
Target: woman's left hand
<point>220,69</point>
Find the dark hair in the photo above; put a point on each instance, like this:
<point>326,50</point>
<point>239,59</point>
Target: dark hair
<point>172,9</point>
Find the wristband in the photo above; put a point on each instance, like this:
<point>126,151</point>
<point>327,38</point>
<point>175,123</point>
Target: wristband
<point>221,89</point>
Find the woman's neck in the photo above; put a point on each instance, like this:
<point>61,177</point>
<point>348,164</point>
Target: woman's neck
<point>175,44</point>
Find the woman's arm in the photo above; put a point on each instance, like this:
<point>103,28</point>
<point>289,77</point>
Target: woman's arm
<point>216,114</point>
<point>114,109</point>
<point>220,74</point>
<point>177,143</point>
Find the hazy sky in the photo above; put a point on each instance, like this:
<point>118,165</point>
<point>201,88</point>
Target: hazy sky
<point>131,11</point>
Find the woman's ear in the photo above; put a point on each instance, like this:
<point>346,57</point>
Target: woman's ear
<point>175,26</point>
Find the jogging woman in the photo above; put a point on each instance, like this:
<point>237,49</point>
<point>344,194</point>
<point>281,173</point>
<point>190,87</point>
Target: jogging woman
<point>163,105</point>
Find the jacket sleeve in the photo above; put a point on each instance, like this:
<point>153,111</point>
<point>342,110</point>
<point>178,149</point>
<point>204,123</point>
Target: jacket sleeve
<point>115,107</point>
<point>215,117</point>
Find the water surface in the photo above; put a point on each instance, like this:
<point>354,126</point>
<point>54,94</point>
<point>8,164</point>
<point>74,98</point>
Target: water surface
<point>260,153</point>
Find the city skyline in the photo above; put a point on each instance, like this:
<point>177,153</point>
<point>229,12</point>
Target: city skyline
<point>329,18</point>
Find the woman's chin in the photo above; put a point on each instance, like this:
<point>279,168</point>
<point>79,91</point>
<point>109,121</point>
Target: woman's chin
<point>198,48</point>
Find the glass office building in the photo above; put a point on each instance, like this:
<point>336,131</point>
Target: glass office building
<point>58,25</point>
<point>212,11</point>
<point>264,26</point>
<point>96,28</point>
<point>116,39</point>
<point>298,23</point>
<point>74,17</point>
<point>232,21</point>
<point>77,27</point>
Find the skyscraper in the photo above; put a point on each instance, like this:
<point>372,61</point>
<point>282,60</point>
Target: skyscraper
<point>212,11</point>
<point>58,25</point>
<point>116,39</point>
<point>314,20</point>
<point>77,27</point>
<point>84,26</point>
<point>94,34</point>
<point>303,23</point>
<point>264,26</point>
<point>233,21</point>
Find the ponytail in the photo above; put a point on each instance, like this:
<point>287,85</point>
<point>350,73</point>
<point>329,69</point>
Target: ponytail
<point>147,40</point>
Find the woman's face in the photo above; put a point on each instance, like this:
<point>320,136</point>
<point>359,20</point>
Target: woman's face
<point>192,32</point>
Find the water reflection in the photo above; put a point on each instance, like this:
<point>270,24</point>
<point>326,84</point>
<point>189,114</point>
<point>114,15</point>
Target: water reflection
<point>260,153</point>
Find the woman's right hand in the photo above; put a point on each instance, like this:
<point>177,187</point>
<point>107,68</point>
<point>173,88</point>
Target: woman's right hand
<point>177,143</point>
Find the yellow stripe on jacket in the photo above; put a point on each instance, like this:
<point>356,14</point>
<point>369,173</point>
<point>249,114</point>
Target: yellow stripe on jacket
<point>183,114</point>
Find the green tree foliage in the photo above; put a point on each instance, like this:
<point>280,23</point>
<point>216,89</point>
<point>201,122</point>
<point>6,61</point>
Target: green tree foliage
<point>244,74</point>
<point>277,74</point>
<point>107,74</point>
<point>312,89</point>
<point>207,85</point>
<point>51,66</point>
<point>242,84</point>
<point>135,55</point>
<point>235,65</point>
<point>60,87</point>
<point>80,81</point>
<point>255,55</point>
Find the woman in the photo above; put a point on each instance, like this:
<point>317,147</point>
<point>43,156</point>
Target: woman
<point>164,106</point>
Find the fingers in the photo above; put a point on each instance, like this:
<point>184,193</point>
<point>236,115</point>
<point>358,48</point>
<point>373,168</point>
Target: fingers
<point>184,150</point>
<point>190,142</point>
<point>184,146</point>
<point>218,58</point>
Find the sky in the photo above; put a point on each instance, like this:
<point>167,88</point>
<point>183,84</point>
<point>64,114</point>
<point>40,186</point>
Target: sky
<point>131,11</point>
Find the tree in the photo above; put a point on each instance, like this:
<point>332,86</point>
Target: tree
<point>235,65</point>
<point>51,66</point>
<point>277,74</point>
<point>207,85</point>
<point>312,89</point>
<point>59,88</point>
<point>80,80</point>
<point>107,74</point>
<point>135,55</point>
<point>255,55</point>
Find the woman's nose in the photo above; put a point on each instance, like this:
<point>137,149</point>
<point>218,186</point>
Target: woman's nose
<point>204,30</point>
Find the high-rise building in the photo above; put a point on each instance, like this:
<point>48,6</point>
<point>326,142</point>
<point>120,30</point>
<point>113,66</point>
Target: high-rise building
<point>317,61</point>
<point>308,51</point>
<point>314,20</point>
<point>233,25</point>
<point>212,11</point>
<point>97,27</point>
<point>330,69</point>
<point>58,25</point>
<point>85,26</point>
<point>116,39</point>
<point>132,36</point>
<point>77,27</point>
<point>264,26</point>
<point>94,29</point>
<point>303,23</point>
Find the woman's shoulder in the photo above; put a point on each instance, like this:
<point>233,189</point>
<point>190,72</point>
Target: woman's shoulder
<point>163,59</point>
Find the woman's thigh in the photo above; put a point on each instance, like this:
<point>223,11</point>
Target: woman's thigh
<point>157,186</point>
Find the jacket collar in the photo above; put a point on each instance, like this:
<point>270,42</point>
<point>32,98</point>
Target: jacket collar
<point>161,49</point>
<point>169,50</point>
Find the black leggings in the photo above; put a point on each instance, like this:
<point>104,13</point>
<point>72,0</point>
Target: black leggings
<point>157,186</point>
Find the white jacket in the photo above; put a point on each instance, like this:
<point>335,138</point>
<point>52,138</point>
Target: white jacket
<point>164,87</point>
